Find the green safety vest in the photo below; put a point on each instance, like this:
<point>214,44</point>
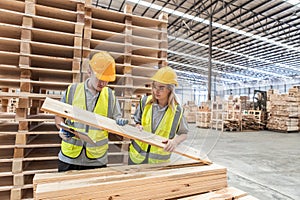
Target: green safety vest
<point>76,97</point>
<point>167,128</point>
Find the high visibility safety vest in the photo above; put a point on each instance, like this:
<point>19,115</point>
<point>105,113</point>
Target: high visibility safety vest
<point>73,147</point>
<point>167,128</point>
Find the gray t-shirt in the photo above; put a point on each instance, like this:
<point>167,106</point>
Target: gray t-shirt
<point>158,114</point>
<point>90,104</point>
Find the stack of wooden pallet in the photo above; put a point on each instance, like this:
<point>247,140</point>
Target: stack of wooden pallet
<point>203,119</point>
<point>138,44</point>
<point>190,111</point>
<point>42,46</point>
<point>232,121</point>
<point>40,51</point>
<point>203,115</point>
<point>173,181</point>
<point>218,114</point>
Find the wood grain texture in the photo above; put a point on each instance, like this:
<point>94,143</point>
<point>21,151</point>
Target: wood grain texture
<point>92,119</point>
<point>132,182</point>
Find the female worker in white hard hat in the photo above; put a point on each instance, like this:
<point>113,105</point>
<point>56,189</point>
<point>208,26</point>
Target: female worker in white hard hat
<point>162,115</point>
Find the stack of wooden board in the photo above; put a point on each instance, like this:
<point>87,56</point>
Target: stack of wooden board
<point>184,181</point>
<point>132,182</point>
<point>284,111</point>
<point>251,120</point>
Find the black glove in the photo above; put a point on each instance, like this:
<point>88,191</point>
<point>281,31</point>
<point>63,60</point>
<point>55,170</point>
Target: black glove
<point>121,121</point>
<point>65,133</point>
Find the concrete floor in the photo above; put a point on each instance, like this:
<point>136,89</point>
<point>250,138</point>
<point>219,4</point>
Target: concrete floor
<point>264,164</point>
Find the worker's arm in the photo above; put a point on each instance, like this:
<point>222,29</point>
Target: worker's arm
<point>58,120</point>
<point>181,135</point>
<point>117,115</point>
<point>171,144</point>
<point>64,134</point>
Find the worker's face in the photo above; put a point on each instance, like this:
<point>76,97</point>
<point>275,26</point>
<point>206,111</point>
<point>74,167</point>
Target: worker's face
<point>160,91</point>
<point>96,84</point>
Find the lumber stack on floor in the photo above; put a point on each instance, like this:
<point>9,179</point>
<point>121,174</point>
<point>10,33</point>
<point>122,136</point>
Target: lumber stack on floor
<point>251,120</point>
<point>285,111</point>
<point>132,182</point>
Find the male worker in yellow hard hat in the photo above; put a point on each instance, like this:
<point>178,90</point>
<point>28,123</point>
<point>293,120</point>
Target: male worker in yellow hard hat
<point>92,95</point>
<point>160,114</point>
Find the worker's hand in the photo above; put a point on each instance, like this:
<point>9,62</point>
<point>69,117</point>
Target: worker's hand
<point>121,121</point>
<point>66,135</point>
<point>139,126</point>
<point>170,145</point>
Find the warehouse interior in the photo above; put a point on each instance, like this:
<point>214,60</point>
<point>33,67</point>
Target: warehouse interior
<point>235,45</point>
<point>238,68</point>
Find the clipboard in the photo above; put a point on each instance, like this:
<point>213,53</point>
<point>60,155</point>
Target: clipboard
<point>81,135</point>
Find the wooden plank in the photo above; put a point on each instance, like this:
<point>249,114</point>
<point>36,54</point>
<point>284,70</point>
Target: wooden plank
<point>70,175</point>
<point>108,36</point>
<point>56,13</point>
<point>14,18</point>
<point>76,175</point>
<point>92,119</point>
<point>9,45</point>
<point>148,22</point>
<point>179,181</point>
<point>54,24</point>
<point>12,5</point>
<point>107,46</point>
<point>175,188</point>
<point>147,42</point>
<point>27,95</point>
<point>108,25</point>
<point>67,5</point>
<point>224,194</point>
<point>5,188</point>
<point>146,32</point>
<point>9,58</point>
<point>41,48</point>
<point>113,16</point>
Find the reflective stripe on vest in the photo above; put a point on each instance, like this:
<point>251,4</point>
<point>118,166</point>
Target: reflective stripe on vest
<point>167,128</point>
<point>76,96</point>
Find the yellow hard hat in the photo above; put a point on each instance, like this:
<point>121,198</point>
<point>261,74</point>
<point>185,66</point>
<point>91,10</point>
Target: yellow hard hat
<point>104,66</point>
<point>165,75</point>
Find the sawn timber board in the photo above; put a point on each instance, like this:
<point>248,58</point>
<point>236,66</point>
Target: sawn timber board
<point>95,120</point>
